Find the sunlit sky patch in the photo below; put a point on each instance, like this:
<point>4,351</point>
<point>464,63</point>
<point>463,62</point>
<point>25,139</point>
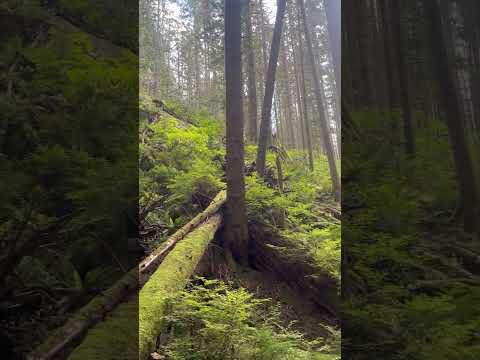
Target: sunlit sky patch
<point>270,7</point>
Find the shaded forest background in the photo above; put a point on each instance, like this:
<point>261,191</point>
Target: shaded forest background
<point>410,109</point>
<point>69,155</point>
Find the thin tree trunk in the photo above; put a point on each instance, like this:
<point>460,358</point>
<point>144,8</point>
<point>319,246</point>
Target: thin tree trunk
<point>403,75</point>
<point>298,86</point>
<point>327,140</point>
<point>252,86</point>
<point>265,126</point>
<point>264,38</point>
<point>306,120</point>
<point>288,99</point>
<point>384,15</point>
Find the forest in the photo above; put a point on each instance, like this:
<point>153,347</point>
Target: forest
<point>176,197</point>
<point>242,97</point>
<point>410,177</point>
<point>176,182</point>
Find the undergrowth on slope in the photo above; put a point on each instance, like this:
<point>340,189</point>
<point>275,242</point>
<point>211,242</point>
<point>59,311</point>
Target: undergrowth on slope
<point>312,235</point>
<point>181,170</point>
<point>212,320</point>
<point>180,167</point>
<point>67,200</point>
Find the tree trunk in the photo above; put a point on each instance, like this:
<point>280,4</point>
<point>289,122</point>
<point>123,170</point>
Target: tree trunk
<point>306,120</point>
<point>151,262</point>
<point>289,120</point>
<point>333,10</point>
<point>395,19</point>
<point>448,92</point>
<point>236,231</point>
<point>266,124</point>
<point>252,86</point>
<point>384,12</point>
<point>327,140</point>
<point>295,41</point>
<point>264,38</point>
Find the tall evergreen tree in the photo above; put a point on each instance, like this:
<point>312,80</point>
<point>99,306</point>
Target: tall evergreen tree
<point>236,231</point>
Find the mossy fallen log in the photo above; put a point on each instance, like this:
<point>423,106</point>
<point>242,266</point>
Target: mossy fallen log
<point>171,277</point>
<point>86,317</point>
<point>118,337</point>
<point>108,300</point>
<point>151,262</point>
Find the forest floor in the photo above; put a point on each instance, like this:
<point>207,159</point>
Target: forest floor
<point>295,236</point>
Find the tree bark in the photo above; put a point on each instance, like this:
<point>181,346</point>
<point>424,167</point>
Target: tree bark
<point>403,75</point>
<point>236,231</point>
<point>289,120</point>
<point>266,124</point>
<point>252,82</point>
<point>306,120</point>
<point>327,139</point>
<point>384,11</point>
<point>449,95</point>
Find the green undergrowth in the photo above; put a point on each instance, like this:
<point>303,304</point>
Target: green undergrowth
<point>396,227</point>
<point>95,17</point>
<point>67,149</point>
<point>181,169</point>
<point>295,212</point>
<point>179,164</point>
<point>211,320</point>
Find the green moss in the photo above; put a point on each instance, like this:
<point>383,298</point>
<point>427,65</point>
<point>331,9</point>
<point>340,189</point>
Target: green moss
<point>171,277</point>
<point>116,337</point>
<point>105,19</point>
<point>89,313</point>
